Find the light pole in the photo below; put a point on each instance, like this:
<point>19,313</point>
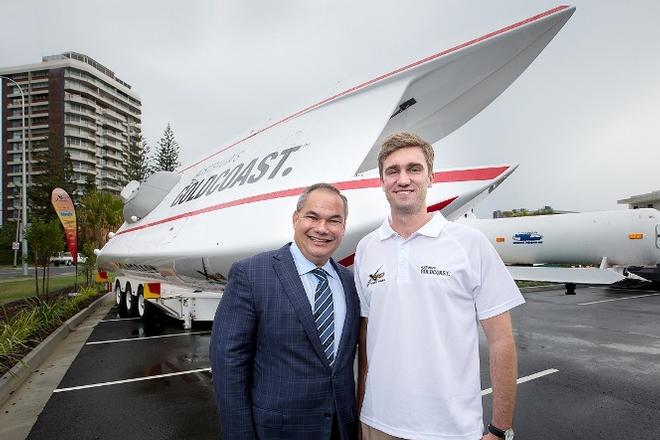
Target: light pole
<point>25,243</point>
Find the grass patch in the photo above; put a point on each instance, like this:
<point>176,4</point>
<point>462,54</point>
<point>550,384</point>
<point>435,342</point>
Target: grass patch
<point>21,331</point>
<point>11,290</point>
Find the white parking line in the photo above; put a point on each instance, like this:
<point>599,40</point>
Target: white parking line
<point>119,319</point>
<point>526,379</point>
<point>624,289</point>
<point>137,379</point>
<point>112,341</point>
<point>616,299</point>
<point>199,370</point>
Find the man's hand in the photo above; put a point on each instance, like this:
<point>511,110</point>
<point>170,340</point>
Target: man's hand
<point>489,436</point>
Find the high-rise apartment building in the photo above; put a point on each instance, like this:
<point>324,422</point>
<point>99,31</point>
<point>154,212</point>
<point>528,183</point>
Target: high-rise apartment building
<point>94,114</point>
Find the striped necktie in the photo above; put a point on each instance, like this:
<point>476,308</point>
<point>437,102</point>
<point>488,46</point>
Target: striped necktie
<point>324,314</point>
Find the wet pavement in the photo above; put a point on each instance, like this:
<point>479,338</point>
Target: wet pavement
<point>589,366</point>
<point>170,396</point>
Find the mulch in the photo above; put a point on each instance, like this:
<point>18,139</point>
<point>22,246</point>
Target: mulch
<point>10,309</point>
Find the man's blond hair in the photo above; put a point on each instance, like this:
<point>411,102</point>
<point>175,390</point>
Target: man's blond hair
<point>404,139</point>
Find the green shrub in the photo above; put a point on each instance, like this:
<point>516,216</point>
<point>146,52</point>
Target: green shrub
<point>18,331</point>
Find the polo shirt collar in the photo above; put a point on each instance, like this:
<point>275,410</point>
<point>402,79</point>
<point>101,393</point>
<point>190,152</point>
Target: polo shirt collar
<point>434,226</point>
<point>431,229</point>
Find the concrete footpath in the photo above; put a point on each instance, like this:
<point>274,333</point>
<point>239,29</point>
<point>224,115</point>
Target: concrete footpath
<point>27,390</point>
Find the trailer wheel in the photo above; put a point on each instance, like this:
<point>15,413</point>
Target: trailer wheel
<point>129,301</point>
<point>570,288</point>
<point>119,297</point>
<point>143,306</point>
<point>69,262</point>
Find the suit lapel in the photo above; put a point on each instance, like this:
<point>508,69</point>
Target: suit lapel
<point>351,315</point>
<point>286,271</point>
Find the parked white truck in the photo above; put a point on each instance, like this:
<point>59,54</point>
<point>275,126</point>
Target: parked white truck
<point>66,259</point>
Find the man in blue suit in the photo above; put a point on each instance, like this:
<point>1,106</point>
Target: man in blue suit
<point>285,334</point>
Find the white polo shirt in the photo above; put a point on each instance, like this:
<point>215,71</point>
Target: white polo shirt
<point>423,297</point>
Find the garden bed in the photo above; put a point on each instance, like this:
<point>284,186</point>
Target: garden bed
<point>25,323</point>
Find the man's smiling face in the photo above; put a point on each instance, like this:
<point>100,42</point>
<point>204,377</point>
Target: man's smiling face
<point>319,226</point>
<point>405,180</point>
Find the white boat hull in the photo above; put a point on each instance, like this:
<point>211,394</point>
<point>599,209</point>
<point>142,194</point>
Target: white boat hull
<point>239,200</point>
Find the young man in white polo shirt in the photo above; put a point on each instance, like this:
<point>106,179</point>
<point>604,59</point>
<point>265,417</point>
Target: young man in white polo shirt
<point>424,284</point>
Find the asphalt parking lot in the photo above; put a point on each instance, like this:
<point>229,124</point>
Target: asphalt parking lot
<point>589,367</point>
<point>148,381</point>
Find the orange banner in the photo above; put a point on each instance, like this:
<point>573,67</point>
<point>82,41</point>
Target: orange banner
<point>67,213</point>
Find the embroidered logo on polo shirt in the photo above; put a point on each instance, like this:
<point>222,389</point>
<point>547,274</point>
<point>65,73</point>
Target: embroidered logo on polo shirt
<point>432,270</point>
<point>376,277</point>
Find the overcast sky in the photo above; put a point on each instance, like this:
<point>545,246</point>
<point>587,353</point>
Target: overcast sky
<point>582,121</point>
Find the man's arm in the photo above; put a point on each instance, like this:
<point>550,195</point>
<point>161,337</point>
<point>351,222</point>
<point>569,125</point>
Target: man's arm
<point>233,343</point>
<point>503,369</point>
<point>363,365</point>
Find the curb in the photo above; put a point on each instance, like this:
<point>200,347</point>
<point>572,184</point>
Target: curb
<point>15,377</point>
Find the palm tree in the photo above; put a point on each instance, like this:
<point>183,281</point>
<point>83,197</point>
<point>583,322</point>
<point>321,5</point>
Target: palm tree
<point>99,213</point>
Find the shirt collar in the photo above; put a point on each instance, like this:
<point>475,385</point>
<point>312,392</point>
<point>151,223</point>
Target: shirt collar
<point>431,229</point>
<point>385,231</point>
<point>434,226</point>
<point>303,265</point>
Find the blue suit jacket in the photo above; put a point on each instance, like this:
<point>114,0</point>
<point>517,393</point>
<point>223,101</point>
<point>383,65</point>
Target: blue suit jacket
<point>271,377</point>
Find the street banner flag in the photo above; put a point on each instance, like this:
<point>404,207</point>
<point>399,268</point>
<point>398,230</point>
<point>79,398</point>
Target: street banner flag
<point>67,213</point>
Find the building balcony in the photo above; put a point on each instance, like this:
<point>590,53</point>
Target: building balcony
<point>113,123</point>
<point>72,97</point>
<point>113,156</point>
<point>89,80</point>
<point>82,123</point>
<point>86,147</point>
<point>18,117</point>
<point>83,158</point>
<point>118,137</point>
<point>80,112</point>
<point>113,167</point>
<point>37,138</point>
<point>114,146</point>
<point>39,101</point>
<point>112,114</point>
<point>82,134</point>
<point>84,170</point>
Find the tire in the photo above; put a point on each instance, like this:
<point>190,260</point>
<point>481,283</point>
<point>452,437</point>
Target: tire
<point>142,305</point>
<point>56,263</point>
<point>69,262</point>
<point>119,298</point>
<point>129,302</point>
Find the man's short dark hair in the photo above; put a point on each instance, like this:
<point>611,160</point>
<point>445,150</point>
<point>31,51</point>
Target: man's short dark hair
<point>325,186</point>
<point>404,139</point>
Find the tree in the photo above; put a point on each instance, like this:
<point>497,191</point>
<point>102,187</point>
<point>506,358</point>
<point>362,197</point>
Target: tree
<point>7,237</point>
<point>525,213</point>
<point>167,153</point>
<point>45,239</point>
<point>99,213</point>
<point>138,166</point>
<point>89,185</point>
<point>52,169</point>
